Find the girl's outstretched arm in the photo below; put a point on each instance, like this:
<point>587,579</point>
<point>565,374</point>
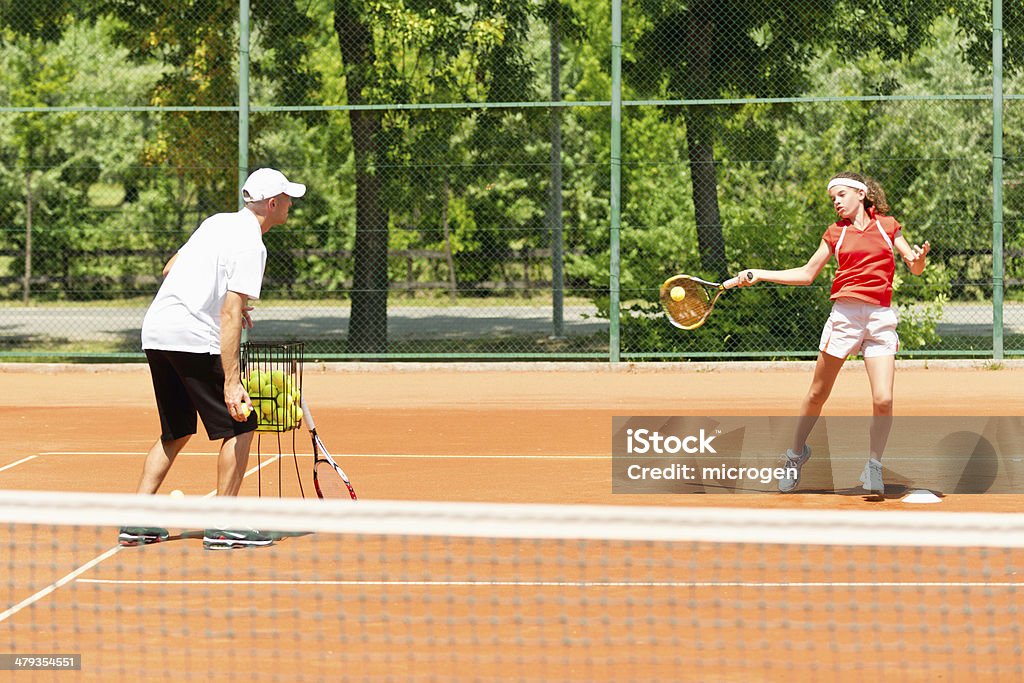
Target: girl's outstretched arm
<point>802,275</point>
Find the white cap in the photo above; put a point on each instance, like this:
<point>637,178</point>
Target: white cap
<point>265,183</point>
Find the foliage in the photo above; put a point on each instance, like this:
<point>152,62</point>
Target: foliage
<point>466,182</point>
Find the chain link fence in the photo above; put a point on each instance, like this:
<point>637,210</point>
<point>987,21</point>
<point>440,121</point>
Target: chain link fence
<point>508,179</point>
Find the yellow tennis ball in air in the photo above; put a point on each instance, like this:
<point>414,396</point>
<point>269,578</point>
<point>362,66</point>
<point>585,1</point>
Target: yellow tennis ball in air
<point>677,293</point>
<point>177,494</point>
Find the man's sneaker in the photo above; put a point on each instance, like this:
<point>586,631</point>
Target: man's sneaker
<point>871,477</point>
<point>225,539</point>
<point>792,463</point>
<point>141,535</point>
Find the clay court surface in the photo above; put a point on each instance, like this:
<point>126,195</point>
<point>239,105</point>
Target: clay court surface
<point>458,433</point>
<point>537,433</point>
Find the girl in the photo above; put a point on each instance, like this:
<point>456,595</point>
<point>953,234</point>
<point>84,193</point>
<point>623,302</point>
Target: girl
<point>861,321</point>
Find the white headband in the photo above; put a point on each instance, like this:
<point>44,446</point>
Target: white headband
<point>847,182</point>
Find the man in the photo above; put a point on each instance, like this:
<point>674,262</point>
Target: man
<point>191,335</point>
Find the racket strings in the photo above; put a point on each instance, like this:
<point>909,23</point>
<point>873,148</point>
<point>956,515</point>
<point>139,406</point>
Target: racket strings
<point>692,308</point>
<point>328,484</point>
<point>331,481</point>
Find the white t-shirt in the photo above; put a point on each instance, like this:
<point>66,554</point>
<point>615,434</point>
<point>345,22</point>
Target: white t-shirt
<point>225,253</point>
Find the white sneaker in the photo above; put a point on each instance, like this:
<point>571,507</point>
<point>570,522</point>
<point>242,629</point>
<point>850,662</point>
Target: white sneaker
<point>792,462</point>
<point>871,477</point>
<point>223,539</point>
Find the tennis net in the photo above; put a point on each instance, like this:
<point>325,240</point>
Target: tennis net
<point>389,591</point>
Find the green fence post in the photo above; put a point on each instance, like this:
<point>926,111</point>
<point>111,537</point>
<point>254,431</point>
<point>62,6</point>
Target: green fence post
<point>243,95</point>
<point>997,179</point>
<point>243,106</point>
<point>616,179</point>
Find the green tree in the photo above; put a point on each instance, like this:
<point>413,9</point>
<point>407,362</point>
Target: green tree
<point>51,159</point>
<point>710,49</point>
<point>416,52</point>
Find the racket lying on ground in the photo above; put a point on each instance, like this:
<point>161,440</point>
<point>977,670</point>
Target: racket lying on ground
<point>688,300</point>
<point>329,480</point>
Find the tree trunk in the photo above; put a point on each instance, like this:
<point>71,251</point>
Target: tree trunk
<point>704,182</point>
<point>555,196</point>
<point>368,327</point>
<point>453,282</point>
<point>27,293</point>
<point>700,143</point>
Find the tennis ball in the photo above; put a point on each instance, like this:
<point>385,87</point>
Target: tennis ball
<point>177,494</point>
<point>277,379</point>
<point>245,409</point>
<point>283,401</point>
<point>677,293</point>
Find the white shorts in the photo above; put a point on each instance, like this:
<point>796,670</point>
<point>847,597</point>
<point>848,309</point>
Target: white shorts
<point>855,327</point>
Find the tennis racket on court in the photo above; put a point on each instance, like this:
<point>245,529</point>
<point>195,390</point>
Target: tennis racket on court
<point>688,300</point>
<point>329,480</point>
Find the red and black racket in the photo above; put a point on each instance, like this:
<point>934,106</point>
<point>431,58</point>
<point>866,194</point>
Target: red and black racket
<point>329,479</point>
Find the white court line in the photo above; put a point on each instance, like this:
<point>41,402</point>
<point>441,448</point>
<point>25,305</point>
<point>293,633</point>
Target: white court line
<point>581,584</point>
<point>372,455</point>
<point>137,453</point>
<point>71,576</point>
<point>58,583</point>
<point>254,470</point>
<point>15,464</point>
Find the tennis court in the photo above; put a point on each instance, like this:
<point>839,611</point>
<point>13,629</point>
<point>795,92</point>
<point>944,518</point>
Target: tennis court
<point>670,587</point>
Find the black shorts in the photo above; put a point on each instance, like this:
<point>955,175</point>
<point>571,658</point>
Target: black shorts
<point>189,383</point>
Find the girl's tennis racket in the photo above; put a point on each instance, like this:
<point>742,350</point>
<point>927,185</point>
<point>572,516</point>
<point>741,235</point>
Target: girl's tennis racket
<point>329,479</point>
<point>688,300</point>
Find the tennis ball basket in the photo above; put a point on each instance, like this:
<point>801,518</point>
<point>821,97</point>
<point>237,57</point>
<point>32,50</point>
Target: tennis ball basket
<point>272,374</point>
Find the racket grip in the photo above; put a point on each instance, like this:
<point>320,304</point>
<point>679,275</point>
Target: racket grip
<point>306,415</point>
<point>735,281</point>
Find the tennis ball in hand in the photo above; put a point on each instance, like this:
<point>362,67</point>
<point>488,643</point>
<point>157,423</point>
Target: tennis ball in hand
<point>677,293</point>
<point>245,409</point>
